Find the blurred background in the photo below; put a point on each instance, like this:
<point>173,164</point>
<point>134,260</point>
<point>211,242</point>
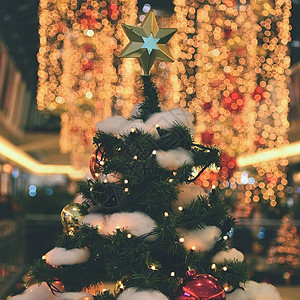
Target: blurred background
<point>236,69</point>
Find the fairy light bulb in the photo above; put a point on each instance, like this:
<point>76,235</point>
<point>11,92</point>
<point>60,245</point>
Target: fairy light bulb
<point>135,157</point>
<point>194,248</point>
<point>225,237</point>
<point>166,214</point>
<point>126,190</point>
<point>180,208</point>
<point>102,163</point>
<point>154,152</point>
<point>129,236</point>
<point>44,257</point>
<point>172,274</point>
<point>156,125</point>
<point>153,267</point>
<point>132,130</point>
<point>125,181</point>
<point>171,180</point>
<point>213,266</point>
<point>225,268</point>
<point>105,180</point>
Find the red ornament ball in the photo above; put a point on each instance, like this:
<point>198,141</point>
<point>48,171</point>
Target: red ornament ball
<point>235,102</point>
<point>200,287</point>
<point>97,161</point>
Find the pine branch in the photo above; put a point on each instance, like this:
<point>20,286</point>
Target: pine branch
<point>151,101</point>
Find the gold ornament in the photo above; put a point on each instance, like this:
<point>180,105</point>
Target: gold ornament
<point>120,286</point>
<point>148,42</point>
<point>71,216</point>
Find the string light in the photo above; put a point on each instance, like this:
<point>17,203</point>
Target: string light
<point>154,152</point>
<point>180,208</point>
<point>125,181</point>
<point>129,236</point>
<point>166,214</point>
<point>225,268</point>
<point>172,274</point>
<point>213,266</point>
<point>181,240</point>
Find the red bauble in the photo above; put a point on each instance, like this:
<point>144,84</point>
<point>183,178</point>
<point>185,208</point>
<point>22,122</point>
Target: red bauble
<point>235,102</point>
<point>259,94</point>
<point>200,287</point>
<point>97,160</point>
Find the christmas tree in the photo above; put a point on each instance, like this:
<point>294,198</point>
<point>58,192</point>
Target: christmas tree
<point>286,248</point>
<point>143,224</point>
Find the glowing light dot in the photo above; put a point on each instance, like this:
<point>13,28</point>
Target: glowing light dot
<point>180,208</point>
<point>105,180</point>
<point>225,268</point>
<point>156,125</point>
<point>129,236</point>
<point>89,95</point>
<point>213,266</point>
<point>225,237</point>
<point>102,163</point>
<point>170,180</point>
<point>194,248</point>
<point>153,268</point>
<point>135,157</point>
<point>44,257</point>
<point>166,214</point>
<point>126,190</point>
<point>172,274</point>
<point>132,130</point>
<point>181,240</point>
<point>89,32</point>
<point>154,152</point>
<point>125,181</point>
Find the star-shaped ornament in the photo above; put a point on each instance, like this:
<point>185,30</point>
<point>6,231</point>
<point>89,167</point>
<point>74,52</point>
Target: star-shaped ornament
<point>148,42</point>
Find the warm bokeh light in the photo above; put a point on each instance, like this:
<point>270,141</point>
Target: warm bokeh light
<point>80,74</point>
<point>233,70</point>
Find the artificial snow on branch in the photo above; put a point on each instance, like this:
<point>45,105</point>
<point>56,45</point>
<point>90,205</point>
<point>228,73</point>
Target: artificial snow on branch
<point>36,292</point>
<point>229,255</point>
<point>133,294</point>
<point>112,124</point>
<point>61,256</point>
<point>95,220</point>
<point>255,291</point>
<point>167,119</point>
<point>137,223</point>
<point>174,159</point>
<point>189,193</point>
<point>200,239</point>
